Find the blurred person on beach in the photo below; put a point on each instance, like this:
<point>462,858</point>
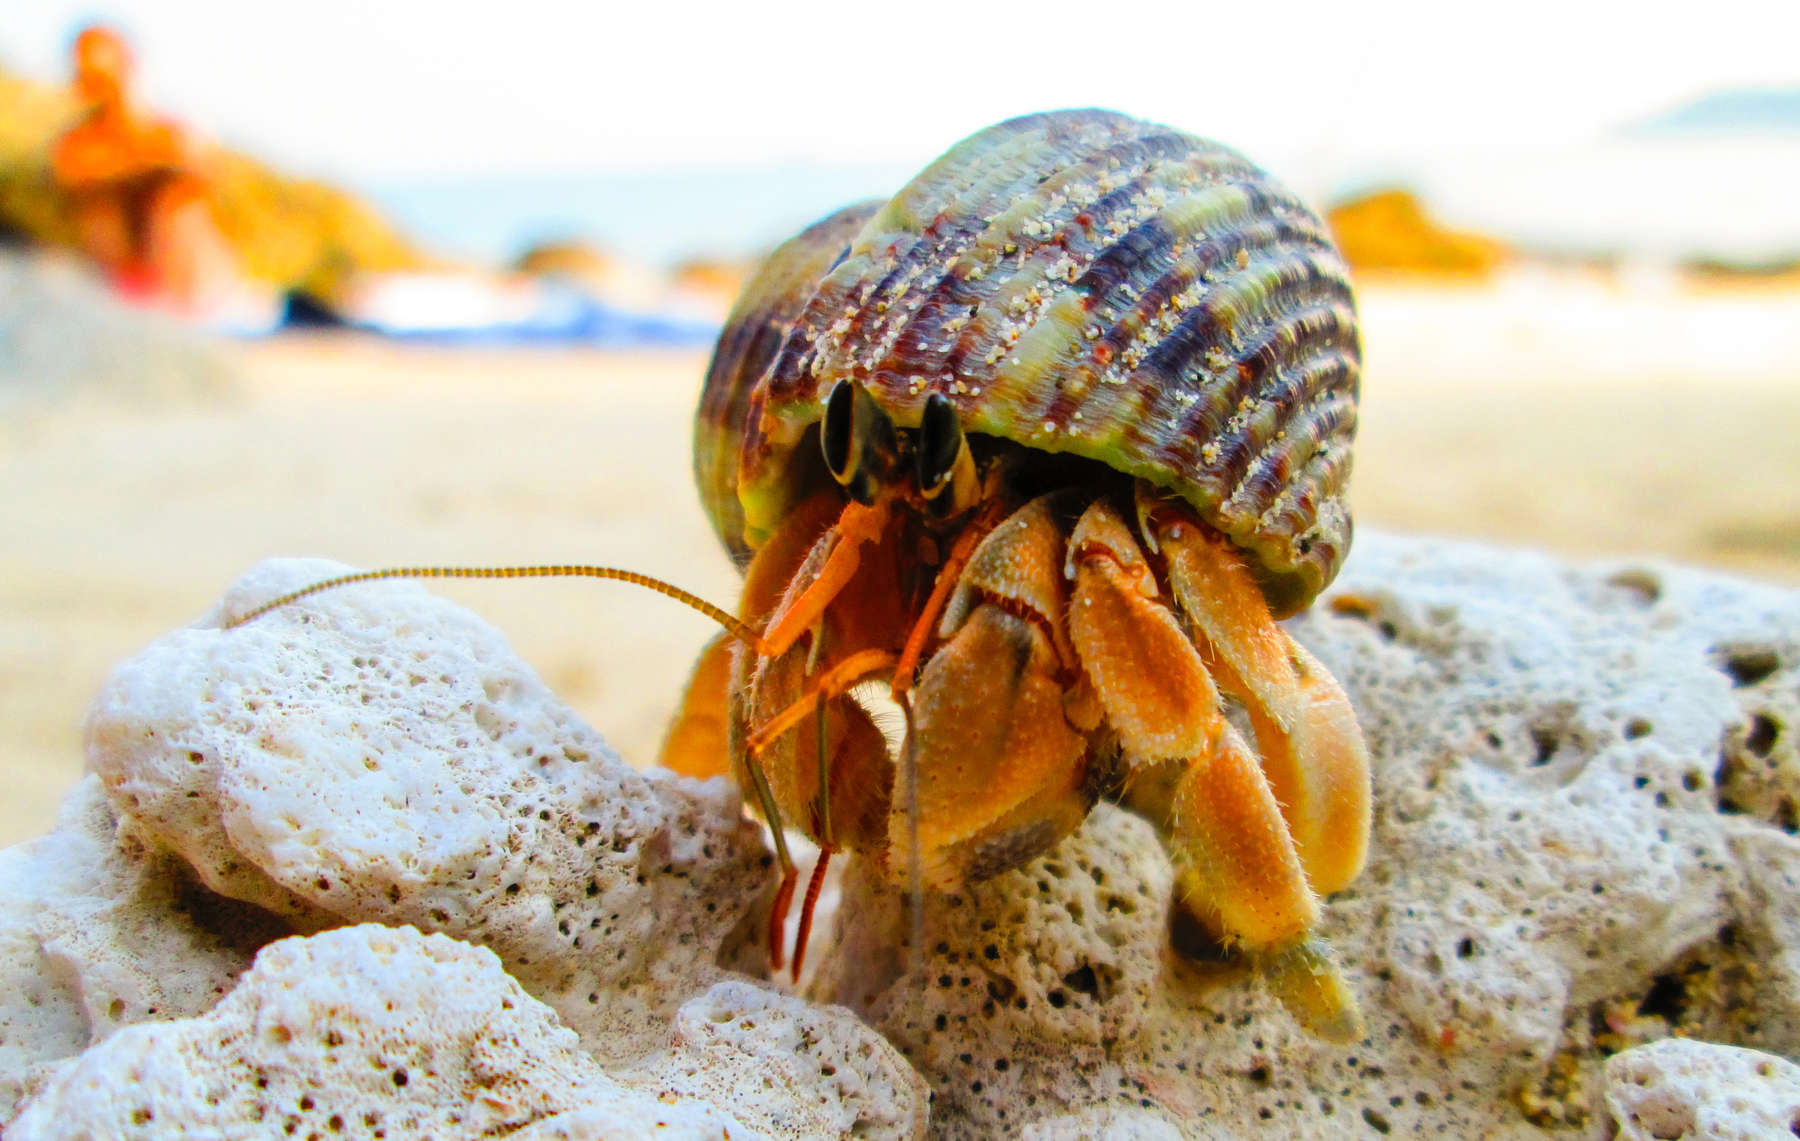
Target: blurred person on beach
<point>139,189</point>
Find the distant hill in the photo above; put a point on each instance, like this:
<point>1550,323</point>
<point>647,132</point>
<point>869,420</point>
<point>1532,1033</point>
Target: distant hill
<point>1763,110</point>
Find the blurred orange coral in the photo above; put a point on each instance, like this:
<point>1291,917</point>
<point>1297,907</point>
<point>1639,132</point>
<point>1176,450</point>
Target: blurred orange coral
<point>1388,231</point>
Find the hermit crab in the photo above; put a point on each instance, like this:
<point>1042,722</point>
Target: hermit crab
<point>1047,443</point>
<point>1044,445</point>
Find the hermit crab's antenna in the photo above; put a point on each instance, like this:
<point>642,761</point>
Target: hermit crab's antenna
<point>732,625</point>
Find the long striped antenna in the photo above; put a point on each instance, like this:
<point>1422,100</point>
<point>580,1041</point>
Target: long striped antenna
<point>731,623</point>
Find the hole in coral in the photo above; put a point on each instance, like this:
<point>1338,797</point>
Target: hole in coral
<point>1543,741</point>
<point>1644,586</point>
<point>1192,941</point>
<point>1748,665</point>
<point>1763,732</point>
<point>1083,980</point>
<point>1636,729</point>
<point>1724,777</point>
<point>1465,948</point>
<point>1667,999</point>
<point>1376,1121</point>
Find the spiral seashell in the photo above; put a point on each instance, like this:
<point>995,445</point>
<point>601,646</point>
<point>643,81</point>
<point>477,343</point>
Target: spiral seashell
<point>1075,282</point>
<point>759,322</point>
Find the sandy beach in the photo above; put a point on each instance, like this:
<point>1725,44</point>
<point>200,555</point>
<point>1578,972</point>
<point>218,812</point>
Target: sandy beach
<point>1538,413</point>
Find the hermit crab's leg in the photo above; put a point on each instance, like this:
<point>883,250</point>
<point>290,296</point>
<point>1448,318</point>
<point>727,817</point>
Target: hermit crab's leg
<point>840,678</point>
<point>857,526</point>
<point>697,741</point>
<point>1312,749</point>
<point>1192,774</point>
<point>949,573</point>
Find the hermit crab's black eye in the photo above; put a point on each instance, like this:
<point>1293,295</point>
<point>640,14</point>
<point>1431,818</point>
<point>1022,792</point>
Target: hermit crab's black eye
<point>862,449</point>
<point>836,434</point>
<point>940,441</point>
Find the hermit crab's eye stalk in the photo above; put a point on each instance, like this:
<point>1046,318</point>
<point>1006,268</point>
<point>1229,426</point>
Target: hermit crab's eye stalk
<point>861,448</point>
<point>945,467</point>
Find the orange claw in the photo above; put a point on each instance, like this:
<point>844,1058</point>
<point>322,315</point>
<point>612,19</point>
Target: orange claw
<point>1154,687</point>
<point>1002,773</point>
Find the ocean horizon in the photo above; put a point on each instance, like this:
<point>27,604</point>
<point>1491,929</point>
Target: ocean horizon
<point>1713,196</point>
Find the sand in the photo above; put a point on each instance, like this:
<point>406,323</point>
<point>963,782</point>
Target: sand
<point>1600,433</point>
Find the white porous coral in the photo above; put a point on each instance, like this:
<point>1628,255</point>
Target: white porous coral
<point>98,932</point>
<point>382,757</point>
<point>363,1031</point>
<point>379,755</point>
<point>1585,842</point>
<point>1680,1088</point>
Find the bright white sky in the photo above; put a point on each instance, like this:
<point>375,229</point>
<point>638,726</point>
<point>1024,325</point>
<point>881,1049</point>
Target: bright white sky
<point>395,89</point>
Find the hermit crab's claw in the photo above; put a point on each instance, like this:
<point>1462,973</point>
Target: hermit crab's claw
<point>1000,767</point>
<point>1239,873</point>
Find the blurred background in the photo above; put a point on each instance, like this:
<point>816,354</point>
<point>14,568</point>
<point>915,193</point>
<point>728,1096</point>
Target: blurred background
<point>380,284</point>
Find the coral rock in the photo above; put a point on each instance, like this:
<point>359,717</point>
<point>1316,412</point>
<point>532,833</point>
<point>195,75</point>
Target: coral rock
<point>1678,1088</point>
<point>97,932</point>
<point>816,1071</point>
<point>381,755</point>
<point>365,1031</point>
<point>1584,842</point>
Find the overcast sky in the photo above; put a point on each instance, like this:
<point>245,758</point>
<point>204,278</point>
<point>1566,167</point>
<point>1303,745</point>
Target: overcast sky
<point>370,90</point>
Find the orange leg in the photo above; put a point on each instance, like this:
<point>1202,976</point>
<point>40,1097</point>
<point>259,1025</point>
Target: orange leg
<point>855,527</point>
<point>1238,873</point>
<point>948,574</point>
<point>1312,749</point>
<point>832,683</point>
<point>813,885</point>
<point>697,744</point>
